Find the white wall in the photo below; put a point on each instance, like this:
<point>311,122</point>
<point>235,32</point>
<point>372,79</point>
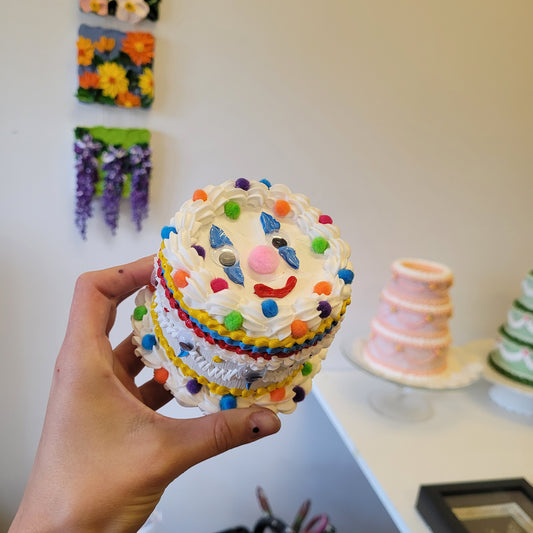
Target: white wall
<point>411,123</point>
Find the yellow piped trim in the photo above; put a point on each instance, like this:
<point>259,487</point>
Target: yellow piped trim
<point>240,336</point>
<point>215,388</point>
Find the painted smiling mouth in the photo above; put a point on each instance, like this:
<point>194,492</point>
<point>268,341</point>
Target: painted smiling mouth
<point>264,291</point>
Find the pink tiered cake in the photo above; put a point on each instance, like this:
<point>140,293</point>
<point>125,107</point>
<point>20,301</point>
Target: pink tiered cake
<point>409,334</point>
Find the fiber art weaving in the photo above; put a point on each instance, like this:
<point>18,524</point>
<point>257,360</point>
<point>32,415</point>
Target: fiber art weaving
<point>132,11</point>
<point>112,164</point>
<point>115,67</point>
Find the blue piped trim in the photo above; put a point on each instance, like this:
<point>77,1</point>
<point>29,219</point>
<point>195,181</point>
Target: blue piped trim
<point>249,347</point>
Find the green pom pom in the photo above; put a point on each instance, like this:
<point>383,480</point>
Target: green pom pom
<point>232,210</point>
<point>139,312</point>
<point>307,368</point>
<point>233,321</point>
<point>320,245</point>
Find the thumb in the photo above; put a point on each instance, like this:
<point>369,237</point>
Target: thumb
<point>197,439</point>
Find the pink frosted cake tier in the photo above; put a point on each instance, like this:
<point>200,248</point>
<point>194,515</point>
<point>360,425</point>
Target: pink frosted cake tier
<point>409,334</point>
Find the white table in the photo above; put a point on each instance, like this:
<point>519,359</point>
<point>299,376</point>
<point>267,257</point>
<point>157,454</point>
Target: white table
<point>468,438</point>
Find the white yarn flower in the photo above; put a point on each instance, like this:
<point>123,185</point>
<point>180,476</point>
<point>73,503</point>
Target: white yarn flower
<point>132,11</point>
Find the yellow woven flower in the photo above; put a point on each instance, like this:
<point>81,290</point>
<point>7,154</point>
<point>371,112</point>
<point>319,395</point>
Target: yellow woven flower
<point>113,79</point>
<point>146,82</point>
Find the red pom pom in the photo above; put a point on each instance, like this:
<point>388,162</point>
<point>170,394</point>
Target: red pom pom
<point>219,284</point>
<point>325,219</point>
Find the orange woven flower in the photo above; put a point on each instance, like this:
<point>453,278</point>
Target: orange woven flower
<point>85,51</point>
<point>104,44</point>
<point>89,80</point>
<point>128,100</point>
<point>139,46</point>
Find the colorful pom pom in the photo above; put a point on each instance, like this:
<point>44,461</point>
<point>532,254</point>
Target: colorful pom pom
<point>180,278</point>
<point>323,287</point>
<point>219,284</point>
<point>278,395</point>
<point>298,328</point>
<point>324,308</point>
<point>263,260</point>
<point>299,394</point>
<point>148,342</point>
<point>270,308</point>
<point>242,183</point>
<point>199,194</point>
<point>307,368</point>
<point>282,208</point>
<point>325,219</point>
<point>193,386</point>
<point>228,401</point>
<point>161,375</point>
<point>320,245</point>
<point>232,210</point>
<point>346,275</point>
<point>233,321</point>
<point>139,312</point>
<point>266,182</point>
<point>166,231</point>
<point>200,250</point>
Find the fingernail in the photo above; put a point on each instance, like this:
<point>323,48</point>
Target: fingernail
<point>264,422</point>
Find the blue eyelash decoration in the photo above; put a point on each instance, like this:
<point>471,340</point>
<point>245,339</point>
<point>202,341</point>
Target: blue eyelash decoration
<point>269,223</point>
<point>235,274</point>
<point>289,256</point>
<point>218,238</point>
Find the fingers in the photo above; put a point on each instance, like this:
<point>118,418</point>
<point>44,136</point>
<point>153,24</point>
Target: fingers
<point>125,356</point>
<point>98,293</point>
<point>154,395</point>
<point>198,439</point>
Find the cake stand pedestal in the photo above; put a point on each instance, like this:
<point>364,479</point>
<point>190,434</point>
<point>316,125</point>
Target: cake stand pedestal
<point>509,394</point>
<point>405,397</point>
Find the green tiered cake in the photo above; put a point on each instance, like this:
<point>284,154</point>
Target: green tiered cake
<point>514,354</point>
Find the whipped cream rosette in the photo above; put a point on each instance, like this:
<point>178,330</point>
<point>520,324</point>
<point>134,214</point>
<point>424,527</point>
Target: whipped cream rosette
<point>250,286</point>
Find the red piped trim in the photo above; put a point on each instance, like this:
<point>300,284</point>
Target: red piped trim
<point>264,291</point>
<point>184,317</point>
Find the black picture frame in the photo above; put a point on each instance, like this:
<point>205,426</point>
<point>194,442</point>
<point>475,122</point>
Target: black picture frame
<point>478,506</point>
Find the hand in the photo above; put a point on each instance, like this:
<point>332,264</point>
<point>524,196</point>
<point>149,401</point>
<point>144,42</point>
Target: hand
<point>105,455</point>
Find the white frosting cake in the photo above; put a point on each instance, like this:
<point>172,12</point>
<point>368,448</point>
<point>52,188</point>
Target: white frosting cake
<point>251,284</point>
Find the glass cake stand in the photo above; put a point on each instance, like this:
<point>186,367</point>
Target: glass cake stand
<point>406,401</point>
<point>507,393</point>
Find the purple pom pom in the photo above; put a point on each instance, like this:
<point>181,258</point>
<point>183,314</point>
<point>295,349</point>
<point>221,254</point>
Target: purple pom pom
<point>324,308</point>
<point>200,250</point>
<point>299,394</point>
<point>193,386</point>
<point>242,183</point>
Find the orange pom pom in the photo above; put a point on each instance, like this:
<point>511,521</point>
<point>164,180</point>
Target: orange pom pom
<point>323,287</point>
<point>161,375</point>
<point>298,328</point>
<point>199,194</point>
<point>278,394</point>
<point>180,278</point>
<point>282,208</point>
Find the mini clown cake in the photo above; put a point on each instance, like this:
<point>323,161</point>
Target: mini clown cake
<point>250,286</point>
<point>409,334</point>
